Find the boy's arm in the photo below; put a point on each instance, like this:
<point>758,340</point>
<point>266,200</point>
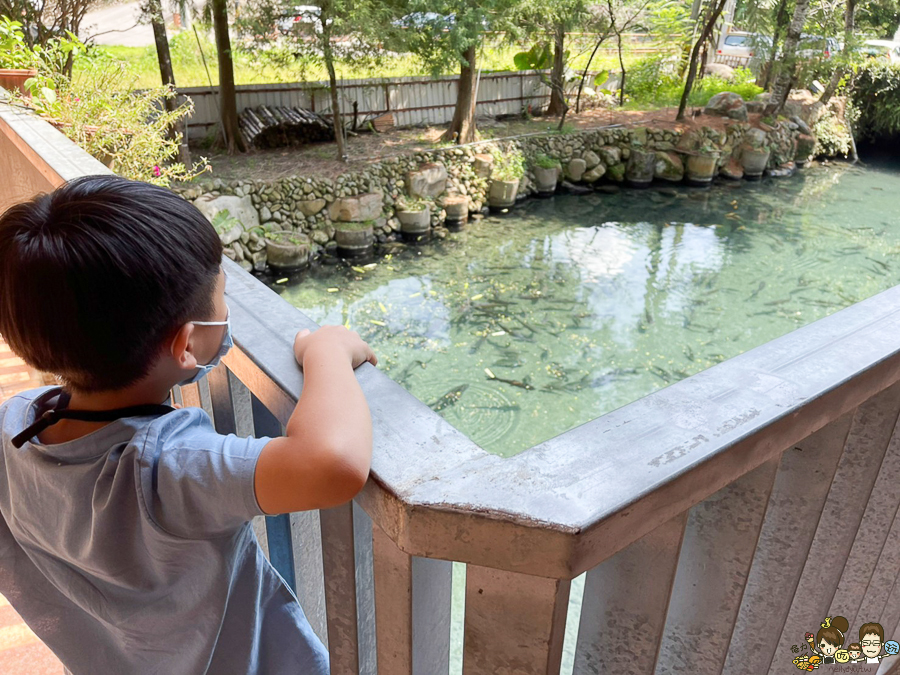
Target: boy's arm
<point>323,459</point>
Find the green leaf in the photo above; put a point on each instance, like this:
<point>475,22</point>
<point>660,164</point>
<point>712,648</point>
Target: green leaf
<point>522,61</point>
<point>601,77</point>
<point>49,94</point>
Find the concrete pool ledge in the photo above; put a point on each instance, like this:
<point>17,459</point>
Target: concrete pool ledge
<point>568,503</point>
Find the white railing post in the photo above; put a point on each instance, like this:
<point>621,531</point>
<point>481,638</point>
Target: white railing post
<point>623,613</point>
<point>515,623</point>
<point>412,610</point>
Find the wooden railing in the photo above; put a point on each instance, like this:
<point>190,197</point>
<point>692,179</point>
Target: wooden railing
<point>704,528</point>
<point>717,520</point>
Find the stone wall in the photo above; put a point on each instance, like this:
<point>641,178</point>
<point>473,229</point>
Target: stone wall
<point>312,208</point>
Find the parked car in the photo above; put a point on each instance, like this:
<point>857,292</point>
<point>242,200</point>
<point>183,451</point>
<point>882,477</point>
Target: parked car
<point>743,45</point>
<point>817,46</point>
<point>302,17</point>
<point>885,49</point>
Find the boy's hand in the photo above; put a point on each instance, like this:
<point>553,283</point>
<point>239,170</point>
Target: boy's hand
<point>334,338</point>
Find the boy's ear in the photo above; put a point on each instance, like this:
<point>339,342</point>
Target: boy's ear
<point>181,347</point>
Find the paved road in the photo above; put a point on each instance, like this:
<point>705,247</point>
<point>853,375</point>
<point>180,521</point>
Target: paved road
<point>118,25</point>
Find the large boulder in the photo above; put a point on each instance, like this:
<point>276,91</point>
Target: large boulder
<point>429,182</point>
<point>669,167</point>
<point>755,138</point>
<point>719,70</point>
<point>357,209</point>
<point>594,174</point>
<point>311,207</point>
<point>239,208</point>
<point>575,169</point>
<point>727,104</point>
<point>732,169</point>
<point>591,159</point>
<point>611,154</point>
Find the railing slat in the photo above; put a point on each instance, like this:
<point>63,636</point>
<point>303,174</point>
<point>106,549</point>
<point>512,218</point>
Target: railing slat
<point>857,470</point>
<point>874,559</point>
<point>306,545</point>
<point>221,401</point>
<point>259,528</point>
<point>801,488</point>
<point>278,528</point>
<point>365,591</point>
<point>339,565</point>
<point>412,609</point>
<point>719,542</point>
<point>622,606</point>
<point>190,396</point>
<point>515,623</point>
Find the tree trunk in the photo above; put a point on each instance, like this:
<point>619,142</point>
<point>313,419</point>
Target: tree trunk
<point>621,67</point>
<point>557,76</point>
<point>782,86</point>
<point>154,8</point>
<point>462,127</point>
<point>715,12</point>
<point>781,21</point>
<point>228,109</point>
<point>838,74</point>
<point>336,121</point>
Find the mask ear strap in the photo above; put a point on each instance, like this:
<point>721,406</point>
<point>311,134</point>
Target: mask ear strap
<point>214,323</point>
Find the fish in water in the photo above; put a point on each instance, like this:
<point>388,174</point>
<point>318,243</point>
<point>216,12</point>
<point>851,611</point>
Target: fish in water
<point>449,399</point>
<point>514,383</point>
<point>762,285</point>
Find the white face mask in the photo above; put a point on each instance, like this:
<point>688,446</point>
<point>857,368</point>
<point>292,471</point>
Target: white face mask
<point>227,344</point>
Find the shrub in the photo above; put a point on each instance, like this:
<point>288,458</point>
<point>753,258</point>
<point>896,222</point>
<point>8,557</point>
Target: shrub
<point>655,82</point>
<point>876,97</point>
<point>509,165</point>
<point>127,130</point>
<point>411,204</point>
<point>545,161</point>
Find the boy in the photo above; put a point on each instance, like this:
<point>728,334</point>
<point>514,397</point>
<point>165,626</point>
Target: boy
<point>125,541</point>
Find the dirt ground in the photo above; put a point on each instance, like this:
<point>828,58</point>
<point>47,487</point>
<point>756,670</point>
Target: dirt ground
<point>366,148</point>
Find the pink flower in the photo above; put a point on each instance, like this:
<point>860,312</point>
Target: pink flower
<point>77,99</point>
<point>156,171</point>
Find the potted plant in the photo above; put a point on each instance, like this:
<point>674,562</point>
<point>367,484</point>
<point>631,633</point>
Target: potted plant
<point>546,174</point>
<point>702,165</point>
<point>415,218</point>
<point>287,250</point>
<point>509,169</point>
<point>17,61</point>
<point>754,161</point>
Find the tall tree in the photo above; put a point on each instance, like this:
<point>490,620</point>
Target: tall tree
<point>448,33</point>
<point>788,60</point>
<point>714,11</point>
<point>553,19</point>
<point>841,70</point>
<point>153,10</point>
<point>227,98</point>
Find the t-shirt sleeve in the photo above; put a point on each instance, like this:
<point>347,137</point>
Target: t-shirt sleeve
<point>198,483</point>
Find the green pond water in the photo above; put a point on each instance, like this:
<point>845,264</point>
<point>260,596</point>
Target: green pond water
<point>524,326</point>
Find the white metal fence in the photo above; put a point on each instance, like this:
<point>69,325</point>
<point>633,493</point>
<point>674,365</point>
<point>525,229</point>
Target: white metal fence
<point>413,101</point>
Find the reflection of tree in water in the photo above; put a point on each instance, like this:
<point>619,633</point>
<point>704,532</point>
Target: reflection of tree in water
<point>520,328</point>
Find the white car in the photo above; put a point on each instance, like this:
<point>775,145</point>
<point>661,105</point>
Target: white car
<point>742,45</point>
<point>303,16</point>
<point>882,49</point>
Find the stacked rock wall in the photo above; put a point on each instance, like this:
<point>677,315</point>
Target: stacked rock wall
<point>313,206</point>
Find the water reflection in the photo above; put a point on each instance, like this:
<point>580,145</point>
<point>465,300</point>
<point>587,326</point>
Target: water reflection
<point>520,328</point>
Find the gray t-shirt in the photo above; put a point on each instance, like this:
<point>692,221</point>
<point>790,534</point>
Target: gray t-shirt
<point>129,550</point>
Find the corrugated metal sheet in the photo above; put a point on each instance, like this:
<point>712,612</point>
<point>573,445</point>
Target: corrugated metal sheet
<point>414,101</point>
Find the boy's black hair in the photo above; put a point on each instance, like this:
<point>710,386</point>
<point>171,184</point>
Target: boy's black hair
<point>96,275</point>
